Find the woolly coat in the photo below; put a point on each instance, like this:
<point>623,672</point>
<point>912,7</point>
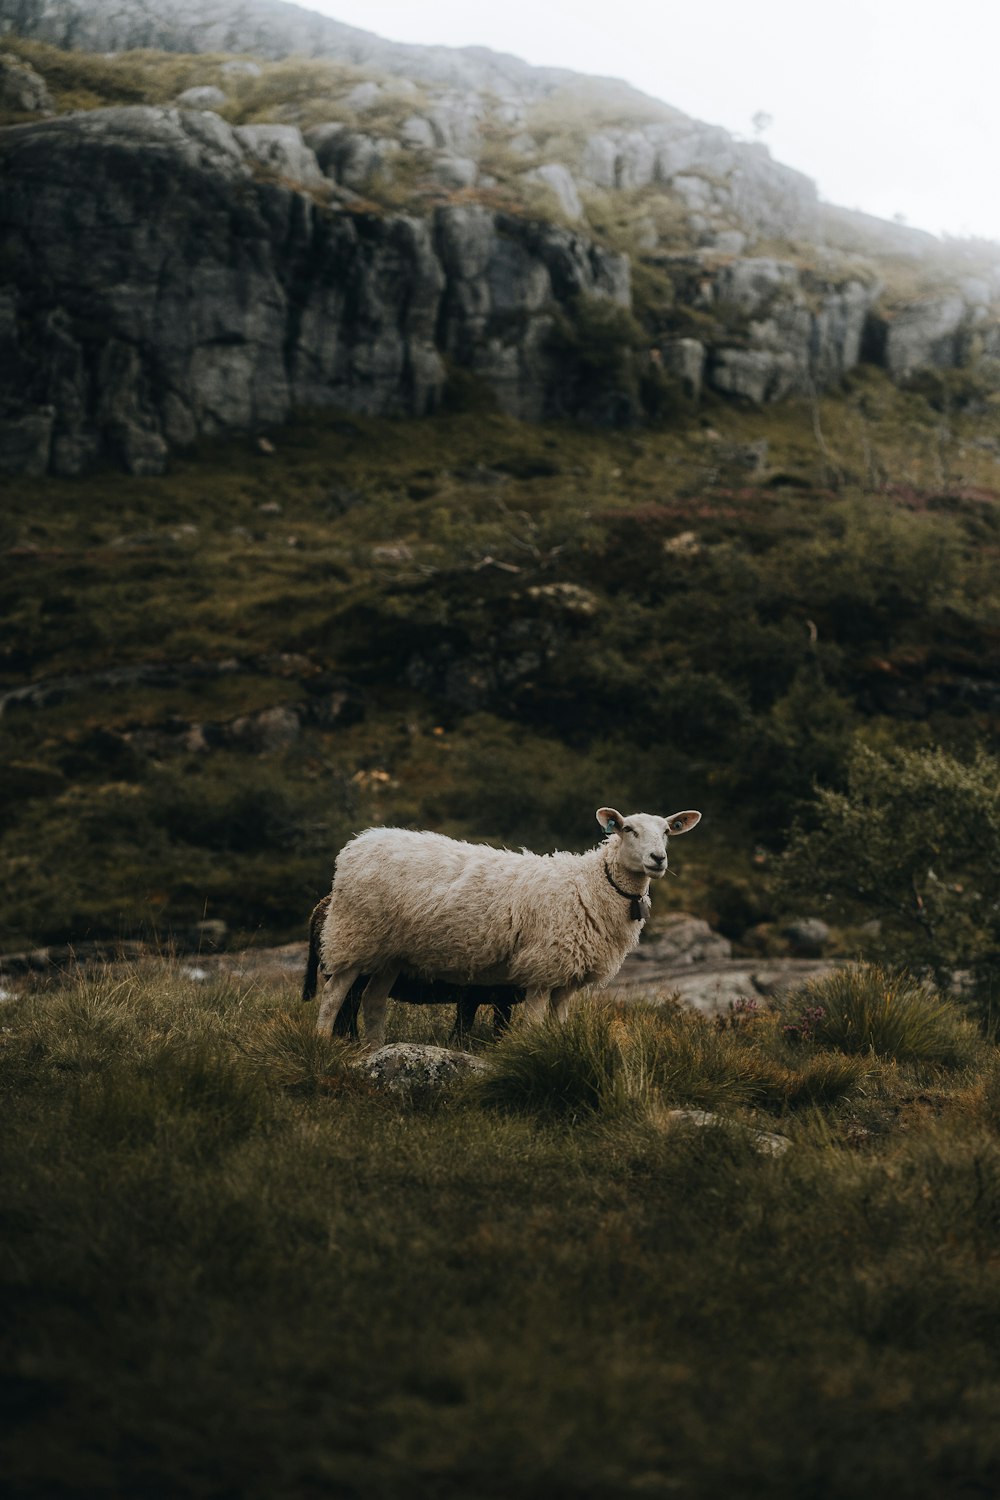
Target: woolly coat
<point>472,914</point>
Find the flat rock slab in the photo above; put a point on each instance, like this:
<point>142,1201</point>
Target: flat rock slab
<point>712,987</point>
<point>406,1067</point>
<point>765,1141</point>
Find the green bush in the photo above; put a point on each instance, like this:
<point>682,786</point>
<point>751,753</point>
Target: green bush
<point>914,841</point>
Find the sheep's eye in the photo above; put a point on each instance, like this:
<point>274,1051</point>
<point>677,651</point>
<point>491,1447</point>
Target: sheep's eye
<point>627,829</point>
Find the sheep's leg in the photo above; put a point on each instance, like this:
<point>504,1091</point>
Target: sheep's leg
<point>374,1003</point>
<point>334,994</point>
<point>501,1018</point>
<point>559,1002</point>
<point>536,1004</point>
<point>346,1023</point>
<point>465,1017</point>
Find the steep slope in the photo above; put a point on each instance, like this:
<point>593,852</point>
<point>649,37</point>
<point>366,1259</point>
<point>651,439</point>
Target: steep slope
<point>199,242</point>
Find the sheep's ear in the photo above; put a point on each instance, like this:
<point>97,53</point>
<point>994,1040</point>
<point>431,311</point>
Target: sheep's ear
<point>681,822</point>
<point>610,820</point>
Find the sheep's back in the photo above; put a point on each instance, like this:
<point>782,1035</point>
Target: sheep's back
<point>446,907</point>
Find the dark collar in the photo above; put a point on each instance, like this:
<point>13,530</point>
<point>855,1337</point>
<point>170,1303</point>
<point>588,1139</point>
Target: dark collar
<point>640,907</point>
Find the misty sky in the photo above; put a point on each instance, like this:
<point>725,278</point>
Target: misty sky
<point>892,107</point>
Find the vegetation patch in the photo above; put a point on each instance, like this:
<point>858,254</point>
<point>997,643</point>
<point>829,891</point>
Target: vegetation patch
<point>229,1266</point>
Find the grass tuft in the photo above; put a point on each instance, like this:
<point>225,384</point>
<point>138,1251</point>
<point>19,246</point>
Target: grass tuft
<point>870,1009</point>
<point>593,1064</point>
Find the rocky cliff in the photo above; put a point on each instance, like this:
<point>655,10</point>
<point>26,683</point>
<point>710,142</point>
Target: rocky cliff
<point>259,244</point>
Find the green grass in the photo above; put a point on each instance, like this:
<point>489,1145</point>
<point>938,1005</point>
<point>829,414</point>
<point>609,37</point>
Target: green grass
<point>229,1267</point>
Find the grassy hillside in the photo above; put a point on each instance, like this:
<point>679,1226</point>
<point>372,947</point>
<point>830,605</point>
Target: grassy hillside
<point>230,1267</point>
<point>483,627</point>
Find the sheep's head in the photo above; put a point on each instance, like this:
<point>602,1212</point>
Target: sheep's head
<point>642,838</point>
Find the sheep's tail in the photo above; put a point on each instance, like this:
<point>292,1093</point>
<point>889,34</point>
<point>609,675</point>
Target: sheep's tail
<point>316,921</point>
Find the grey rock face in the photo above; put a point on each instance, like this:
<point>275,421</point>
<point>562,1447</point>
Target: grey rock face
<point>162,288</point>
<point>455,172</point>
<point>924,336</point>
<point>281,149</point>
<point>685,360</point>
<point>503,275</point>
<point>557,179</point>
<point>349,157</point>
<point>22,89</point>
<point>798,333</point>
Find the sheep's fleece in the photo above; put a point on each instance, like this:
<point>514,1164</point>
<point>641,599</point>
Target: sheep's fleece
<point>468,913</point>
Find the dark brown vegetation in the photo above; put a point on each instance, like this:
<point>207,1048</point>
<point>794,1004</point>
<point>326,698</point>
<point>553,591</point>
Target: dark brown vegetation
<point>213,678</point>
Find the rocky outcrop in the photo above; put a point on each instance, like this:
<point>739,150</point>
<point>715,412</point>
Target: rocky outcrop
<point>778,330</point>
<point>719,179</point>
<point>168,279</point>
<point>168,276</point>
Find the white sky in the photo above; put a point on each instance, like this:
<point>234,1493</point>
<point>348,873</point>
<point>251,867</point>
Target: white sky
<point>892,106</point>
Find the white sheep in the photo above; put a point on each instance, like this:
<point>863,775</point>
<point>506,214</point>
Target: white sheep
<point>550,924</point>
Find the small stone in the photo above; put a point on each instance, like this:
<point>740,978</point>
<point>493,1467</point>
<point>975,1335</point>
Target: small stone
<point>767,1142</point>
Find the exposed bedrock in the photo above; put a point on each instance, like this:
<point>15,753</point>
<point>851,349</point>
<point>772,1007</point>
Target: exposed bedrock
<point>164,279</point>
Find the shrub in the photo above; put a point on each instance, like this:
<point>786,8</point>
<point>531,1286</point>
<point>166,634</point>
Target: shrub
<point>871,1009</point>
<point>914,840</point>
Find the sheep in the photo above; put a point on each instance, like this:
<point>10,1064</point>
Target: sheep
<point>466,913</point>
<point>412,990</point>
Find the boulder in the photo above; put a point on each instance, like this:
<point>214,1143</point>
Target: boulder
<point>682,939</point>
<point>409,1068</point>
<point>265,732</point>
<point>755,375</point>
<point>205,96</point>
<point>418,133</point>
<point>363,96</point>
<point>559,181</point>
<point>456,120</point>
<point>454,172</point>
<point>351,158</point>
<point>807,936</point>
<point>751,286</point>
<point>240,68</point>
<point>280,149</point>
<point>600,154</point>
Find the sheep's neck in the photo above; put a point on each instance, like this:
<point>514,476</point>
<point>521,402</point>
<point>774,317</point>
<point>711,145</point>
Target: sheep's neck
<point>631,882</point>
<point>639,907</point>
